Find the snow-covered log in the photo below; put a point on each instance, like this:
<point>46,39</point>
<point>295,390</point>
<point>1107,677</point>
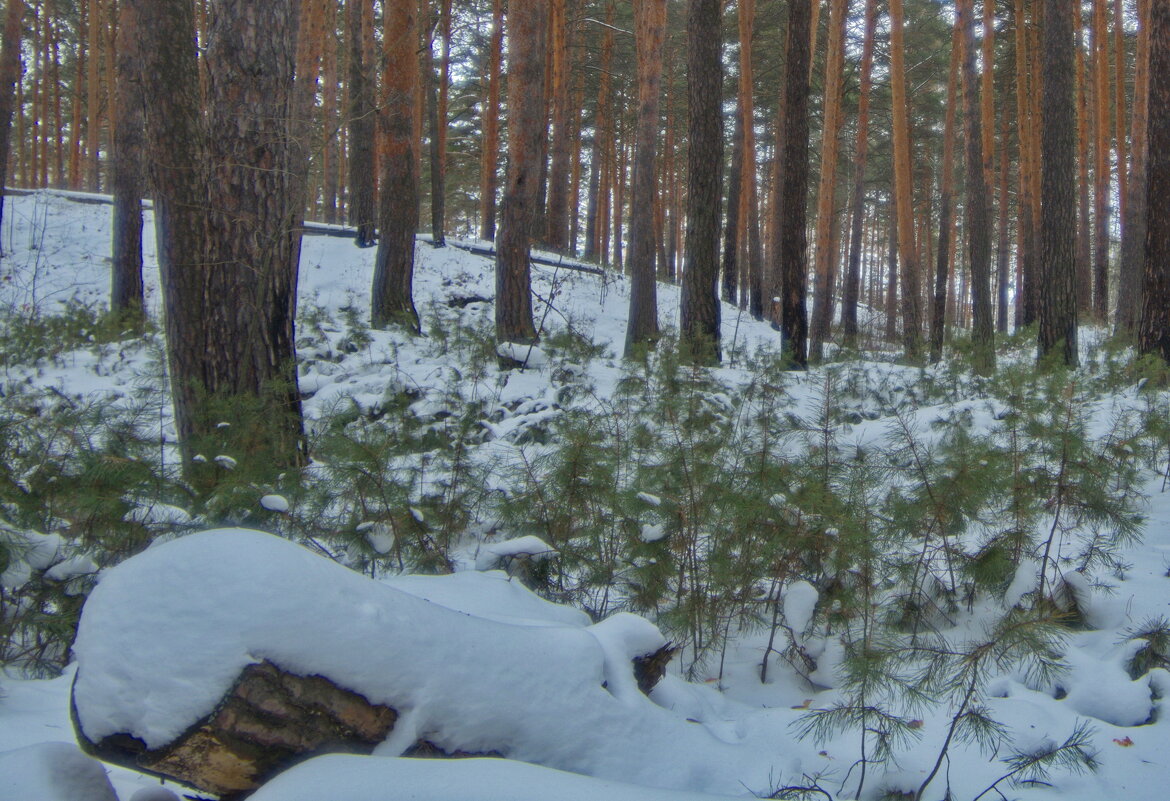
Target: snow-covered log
<point>220,658</point>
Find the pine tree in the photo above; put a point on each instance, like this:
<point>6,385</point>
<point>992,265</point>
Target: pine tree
<point>9,76</point>
<point>946,212</point>
<point>526,53</point>
<point>491,127</point>
<point>826,250</point>
<point>127,174</point>
<point>650,27</point>
<point>978,206</point>
<point>790,261</point>
<point>220,180</point>
<point>1056,305</point>
<point>1154,330</point>
<point>699,306</point>
<point>903,190</point>
<point>392,294</point>
<point>361,122</point>
<point>852,282</point>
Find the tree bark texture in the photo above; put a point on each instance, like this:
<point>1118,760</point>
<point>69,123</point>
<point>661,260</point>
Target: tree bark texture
<point>903,189</point>
<point>491,127</point>
<point>9,76</point>
<point>254,194</point>
<point>938,312</point>
<point>1056,308</point>
<point>749,200</point>
<point>392,300</point>
<point>978,205</point>
<point>699,307</point>
<point>826,252</point>
<point>526,127</point>
<point>361,125</point>
<point>128,173</point>
<point>1154,330</point>
<point>650,28</point>
<point>435,138</point>
<point>221,192</point>
<point>732,223</point>
<point>792,190</point>
<point>1101,147</point>
<point>557,215</point>
<point>1133,224</point>
<point>1026,123</point>
<point>852,283</point>
<point>1084,218</point>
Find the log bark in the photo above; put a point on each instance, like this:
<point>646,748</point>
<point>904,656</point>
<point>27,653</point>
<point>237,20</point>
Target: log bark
<point>269,719</point>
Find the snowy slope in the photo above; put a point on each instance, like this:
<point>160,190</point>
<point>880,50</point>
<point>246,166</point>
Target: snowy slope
<point>732,735</point>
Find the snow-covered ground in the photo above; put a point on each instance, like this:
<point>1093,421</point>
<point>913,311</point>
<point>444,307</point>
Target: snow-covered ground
<point>513,667</point>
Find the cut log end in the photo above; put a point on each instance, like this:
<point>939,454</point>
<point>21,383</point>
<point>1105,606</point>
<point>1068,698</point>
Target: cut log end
<point>271,719</point>
<point>268,720</point>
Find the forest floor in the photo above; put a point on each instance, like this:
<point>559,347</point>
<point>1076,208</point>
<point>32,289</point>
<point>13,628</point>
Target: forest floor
<point>712,726</point>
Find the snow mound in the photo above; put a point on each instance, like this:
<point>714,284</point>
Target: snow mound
<point>356,778</point>
<point>274,503</point>
<point>52,772</point>
<point>27,551</point>
<point>527,355</point>
<point>492,595</point>
<point>493,554</point>
<point>166,633</point>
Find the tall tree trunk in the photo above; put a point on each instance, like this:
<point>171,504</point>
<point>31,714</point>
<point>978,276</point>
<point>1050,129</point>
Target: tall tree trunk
<point>731,224</point>
<point>9,76</point>
<point>699,306</point>
<point>650,31</point>
<point>1057,309</point>
<point>1154,329</point>
<point>436,136</point>
<point>852,283</point>
<point>79,91</point>
<point>302,120</point>
<point>1119,107</point>
<point>330,153</point>
<point>439,130</point>
<point>1003,246</point>
<point>361,125</point>
<point>892,278</point>
<point>749,206</point>
<point>221,210</point>
<point>945,213</point>
<point>92,92</point>
<point>256,193</point>
<point>1101,148</point>
<point>620,161</point>
<point>392,299</point>
<point>903,189</point>
<point>557,215</point>
<point>792,192</point>
<point>978,207</point>
<point>826,251</point>
<point>1084,226</point>
<point>596,206</point>
<point>491,127</point>
<point>128,171</point>
<point>52,24</point>
<point>1027,252</point>
<point>576,124</point>
<point>987,94</point>
<point>1133,225</point>
<point>528,20</point>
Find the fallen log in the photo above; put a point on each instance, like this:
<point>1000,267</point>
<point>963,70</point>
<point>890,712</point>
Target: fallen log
<point>268,720</point>
<point>222,658</point>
